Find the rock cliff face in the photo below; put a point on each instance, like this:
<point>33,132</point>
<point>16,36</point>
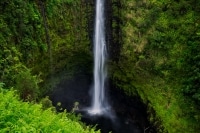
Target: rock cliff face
<point>48,37</point>
<point>154,59</point>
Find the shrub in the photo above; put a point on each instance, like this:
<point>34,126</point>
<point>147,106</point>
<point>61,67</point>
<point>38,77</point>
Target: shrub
<point>27,85</point>
<point>24,117</point>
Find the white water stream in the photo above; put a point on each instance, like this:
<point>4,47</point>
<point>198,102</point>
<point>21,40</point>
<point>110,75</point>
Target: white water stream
<point>99,102</point>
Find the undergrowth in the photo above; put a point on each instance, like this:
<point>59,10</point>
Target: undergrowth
<point>24,117</point>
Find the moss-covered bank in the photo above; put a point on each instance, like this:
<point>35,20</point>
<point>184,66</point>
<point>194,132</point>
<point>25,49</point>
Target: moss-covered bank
<point>46,38</point>
<point>159,60</point>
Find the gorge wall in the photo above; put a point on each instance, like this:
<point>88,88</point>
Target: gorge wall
<point>45,39</point>
<point>156,60</point>
<point>153,51</point>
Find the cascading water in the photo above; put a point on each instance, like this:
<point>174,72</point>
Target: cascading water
<point>99,103</point>
<point>120,117</point>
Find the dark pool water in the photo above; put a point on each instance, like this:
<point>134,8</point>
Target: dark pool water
<point>126,115</point>
<point>118,124</point>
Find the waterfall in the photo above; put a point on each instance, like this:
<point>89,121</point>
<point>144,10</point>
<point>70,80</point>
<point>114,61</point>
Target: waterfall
<point>99,102</point>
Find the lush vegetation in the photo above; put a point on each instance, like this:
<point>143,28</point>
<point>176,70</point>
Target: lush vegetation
<point>41,43</point>
<point>159,60</point>
<point>155,54</point>
<point>41,40</point>
<point>24,117</point>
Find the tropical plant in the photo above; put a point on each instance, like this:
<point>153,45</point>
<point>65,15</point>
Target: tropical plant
<point>18,116</point>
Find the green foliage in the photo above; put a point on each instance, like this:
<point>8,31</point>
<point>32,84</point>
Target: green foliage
<point>46,103</point>
<point>45,36</point>
<point>14,73</point>
<point>159,60</point>
<point>17,116</point>
<point>10,64</point>
<point>69,40</point>
<point>1,85</point>
<point>191,86</point>
<point>22,23</point>
<point>21,38</point>
<point>27,85</point>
